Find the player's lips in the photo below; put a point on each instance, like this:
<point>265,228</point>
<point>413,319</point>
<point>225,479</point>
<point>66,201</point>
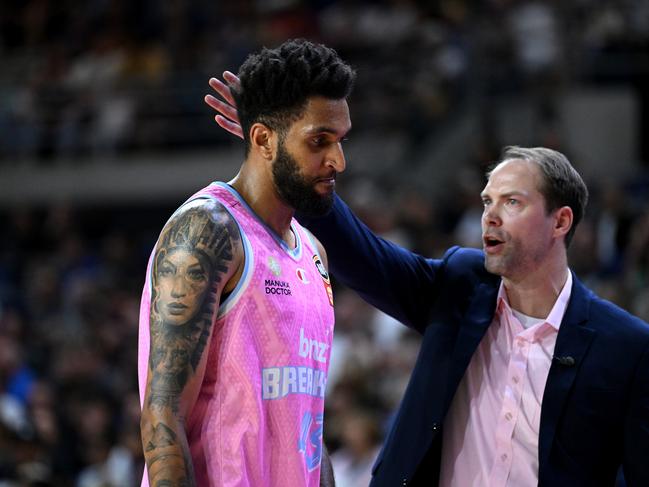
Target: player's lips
<point>329,182</point>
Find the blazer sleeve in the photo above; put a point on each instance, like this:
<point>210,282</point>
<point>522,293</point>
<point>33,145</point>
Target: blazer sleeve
<point>636,434</point>
<point>391,278</point>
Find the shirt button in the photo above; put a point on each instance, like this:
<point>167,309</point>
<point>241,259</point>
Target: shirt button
<point>515,379</point>
<point>508,416</point>
<point>503,457</point>
<point>435,426</point>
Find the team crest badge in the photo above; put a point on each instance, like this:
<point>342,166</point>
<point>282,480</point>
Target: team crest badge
<point>274,267</point>
<point>325,278</point>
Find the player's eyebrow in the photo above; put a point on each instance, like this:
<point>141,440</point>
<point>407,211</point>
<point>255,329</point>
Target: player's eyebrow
<point>326,129</point>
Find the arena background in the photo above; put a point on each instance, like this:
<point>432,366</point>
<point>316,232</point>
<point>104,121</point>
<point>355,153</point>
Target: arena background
<point>103,132</point>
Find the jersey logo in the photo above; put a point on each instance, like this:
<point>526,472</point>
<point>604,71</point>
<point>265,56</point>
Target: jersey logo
<point>301,275</point>
<point>281,288</point>
<point>313,349</point>
<point>325,278</point>
<point>321,268</point>
<point>274,267</point>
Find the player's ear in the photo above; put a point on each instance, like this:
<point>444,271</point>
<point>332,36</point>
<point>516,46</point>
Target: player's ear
<point>263,140</point>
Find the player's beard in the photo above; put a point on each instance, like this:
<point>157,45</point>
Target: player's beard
<point>294,189</point>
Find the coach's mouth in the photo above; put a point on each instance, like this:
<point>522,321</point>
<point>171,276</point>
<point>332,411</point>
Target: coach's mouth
<point>492,244</point>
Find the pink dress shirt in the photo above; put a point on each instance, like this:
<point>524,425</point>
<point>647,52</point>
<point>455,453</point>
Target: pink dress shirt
<point>491,433</point>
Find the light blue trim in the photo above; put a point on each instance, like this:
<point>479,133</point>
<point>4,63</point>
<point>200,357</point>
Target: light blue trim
<point>248,270</point>
<point>311,238</point>
<point>149,279</point>
<point>296,253</point>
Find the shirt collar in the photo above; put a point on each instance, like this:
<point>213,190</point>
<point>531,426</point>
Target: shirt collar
<point>555,316</point>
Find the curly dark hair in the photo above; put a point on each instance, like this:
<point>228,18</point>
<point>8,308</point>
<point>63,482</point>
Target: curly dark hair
<point>277,83</point>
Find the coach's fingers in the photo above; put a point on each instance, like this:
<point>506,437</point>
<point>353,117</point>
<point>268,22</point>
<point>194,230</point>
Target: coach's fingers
<point>223,108</point>
<point>223,90</point>
<point>232,127</point>
<point>232,79</point>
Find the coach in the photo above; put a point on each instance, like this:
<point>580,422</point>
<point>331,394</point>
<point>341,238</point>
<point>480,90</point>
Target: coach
<point>524,376</point>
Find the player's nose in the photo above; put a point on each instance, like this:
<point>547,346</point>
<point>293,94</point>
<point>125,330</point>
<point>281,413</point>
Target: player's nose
<point>336,158</point>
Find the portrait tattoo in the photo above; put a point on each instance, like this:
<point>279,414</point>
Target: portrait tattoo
<point>194,253</point>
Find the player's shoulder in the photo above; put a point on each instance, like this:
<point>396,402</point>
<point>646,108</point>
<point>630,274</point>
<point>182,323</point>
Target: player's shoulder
<point>206,214</point>
<point>203,223</point>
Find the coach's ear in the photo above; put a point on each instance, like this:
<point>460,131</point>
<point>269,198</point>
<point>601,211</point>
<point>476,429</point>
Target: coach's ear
<point>263,140</point>
<point>562,221</point>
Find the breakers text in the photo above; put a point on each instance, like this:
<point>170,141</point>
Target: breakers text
<point>278,382</point>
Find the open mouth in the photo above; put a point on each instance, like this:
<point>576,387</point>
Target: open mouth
<point>492,244</point>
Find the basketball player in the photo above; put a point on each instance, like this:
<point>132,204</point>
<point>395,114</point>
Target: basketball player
<point>236,319</point>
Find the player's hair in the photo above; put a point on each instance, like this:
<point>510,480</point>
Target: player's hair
<point>277,83</point>
<point>561,184</point>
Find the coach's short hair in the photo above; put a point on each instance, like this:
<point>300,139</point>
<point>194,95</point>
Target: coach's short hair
<point>561,183</point>
<point>276,83</point>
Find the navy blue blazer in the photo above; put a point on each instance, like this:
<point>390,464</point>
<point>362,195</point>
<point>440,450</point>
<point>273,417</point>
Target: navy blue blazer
<point>595,411</point>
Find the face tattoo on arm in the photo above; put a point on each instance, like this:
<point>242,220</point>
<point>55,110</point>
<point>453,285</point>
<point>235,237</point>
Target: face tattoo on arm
<point>193,257</point>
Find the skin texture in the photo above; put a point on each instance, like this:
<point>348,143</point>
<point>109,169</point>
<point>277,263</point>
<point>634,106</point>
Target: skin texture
<point>523,242</point>
<point>315,144</point>
<point>307,157</point>
<point>198,252</point>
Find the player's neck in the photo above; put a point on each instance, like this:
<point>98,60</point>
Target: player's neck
<point>261,196</point>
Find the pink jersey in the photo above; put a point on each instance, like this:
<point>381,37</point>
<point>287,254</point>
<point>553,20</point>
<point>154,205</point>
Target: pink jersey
<point>258,417</point>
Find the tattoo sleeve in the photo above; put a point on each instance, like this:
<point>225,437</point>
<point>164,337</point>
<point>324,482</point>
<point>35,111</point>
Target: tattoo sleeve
<point>198,251</point>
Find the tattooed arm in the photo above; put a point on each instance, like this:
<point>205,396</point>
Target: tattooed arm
<point>198,256</point>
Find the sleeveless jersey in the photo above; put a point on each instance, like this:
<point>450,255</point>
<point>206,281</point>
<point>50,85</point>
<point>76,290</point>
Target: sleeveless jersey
<point>258,418</point>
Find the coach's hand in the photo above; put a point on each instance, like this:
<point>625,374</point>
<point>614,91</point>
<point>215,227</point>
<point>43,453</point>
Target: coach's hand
<point>227,117</point>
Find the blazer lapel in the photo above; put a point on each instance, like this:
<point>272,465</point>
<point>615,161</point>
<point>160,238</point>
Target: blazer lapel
<point>573,341</point>
<point>476,321</point>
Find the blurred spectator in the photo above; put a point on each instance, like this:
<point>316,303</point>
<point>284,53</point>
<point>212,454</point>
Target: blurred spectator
<point>361,438</point>
<point>111,77</point>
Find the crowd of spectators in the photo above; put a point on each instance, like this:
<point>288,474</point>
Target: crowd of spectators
<point>109,77</point>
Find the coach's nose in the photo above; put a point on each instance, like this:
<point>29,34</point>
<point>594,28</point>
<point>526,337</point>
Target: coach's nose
<point>490,216</point>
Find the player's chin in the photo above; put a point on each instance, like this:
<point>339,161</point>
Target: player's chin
<point>319,205</point>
